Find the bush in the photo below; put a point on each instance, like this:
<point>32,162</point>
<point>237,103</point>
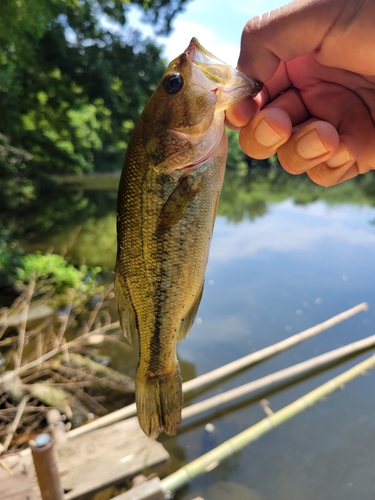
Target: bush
<point>16,186</point>
<point>54,276</point>
<point>10,259</point>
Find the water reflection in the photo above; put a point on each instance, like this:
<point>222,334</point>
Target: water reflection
<point>285,255</point>
<point>82,223</point>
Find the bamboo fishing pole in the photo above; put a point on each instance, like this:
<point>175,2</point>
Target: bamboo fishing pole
<point>279,377</point>
<point>255,357</point>
<point>230,368</point>
<point>198,466</point>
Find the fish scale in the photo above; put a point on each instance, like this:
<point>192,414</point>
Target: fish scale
<point>167,202</point>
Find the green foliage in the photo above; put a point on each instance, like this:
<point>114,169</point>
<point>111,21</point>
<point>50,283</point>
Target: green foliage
<point>22,21</point>
<point>72,109</point>
<point>74,78</point>
<point>54,276</point>
<point>10,259</point>
<point>236,157</point>
<point>70,87</point>
<point>16,187</point>
<point>96,241</point>
<point>249,196</point>
<point>239,162</point>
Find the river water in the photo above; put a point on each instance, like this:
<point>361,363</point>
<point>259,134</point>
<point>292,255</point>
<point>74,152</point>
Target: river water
<point>285,256</point>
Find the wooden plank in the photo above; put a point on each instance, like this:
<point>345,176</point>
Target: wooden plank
<point>87,463</point>
<point>149,490</point>
<point>17,477</point>
<point>98,459</point>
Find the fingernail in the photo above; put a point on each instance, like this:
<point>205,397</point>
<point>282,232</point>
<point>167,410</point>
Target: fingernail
<point>266,135</point>
<point>340,158</point>
<point>310,146</point>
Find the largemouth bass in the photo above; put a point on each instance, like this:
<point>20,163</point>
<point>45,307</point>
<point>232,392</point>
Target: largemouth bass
<point>167,201</point>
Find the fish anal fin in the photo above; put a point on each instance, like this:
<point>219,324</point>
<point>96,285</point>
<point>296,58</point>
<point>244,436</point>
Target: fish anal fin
<point>126,313</point>
<point>159,402</point>
<point>175,206</point>
<point>188,320</point>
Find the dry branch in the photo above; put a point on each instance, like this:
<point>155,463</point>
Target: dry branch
<point>73,343</point>
<point>101,374</point>
<point>13,427</point>
<point>66,382</point>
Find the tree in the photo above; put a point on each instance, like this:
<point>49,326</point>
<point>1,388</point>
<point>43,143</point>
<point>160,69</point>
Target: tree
<point>70,89</point>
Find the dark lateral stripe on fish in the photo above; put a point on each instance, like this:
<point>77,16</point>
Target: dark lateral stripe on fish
<point>155,344</point>
<point>155,339</point>
<point>162,292</point>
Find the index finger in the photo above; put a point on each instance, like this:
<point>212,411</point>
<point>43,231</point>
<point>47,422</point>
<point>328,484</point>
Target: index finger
<point>291,31</point>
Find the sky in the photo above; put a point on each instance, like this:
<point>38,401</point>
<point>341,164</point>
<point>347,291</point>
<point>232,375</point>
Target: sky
<point>217,24</point>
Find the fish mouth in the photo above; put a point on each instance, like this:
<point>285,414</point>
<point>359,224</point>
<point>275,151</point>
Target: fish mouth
<point>234,82</point>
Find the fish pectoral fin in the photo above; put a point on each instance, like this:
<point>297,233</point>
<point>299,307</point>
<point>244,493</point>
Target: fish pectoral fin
<point>188,320</point>
<point>127,316</point>
<point>175,206</point>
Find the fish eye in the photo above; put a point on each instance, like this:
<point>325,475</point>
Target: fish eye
<point>173,83</point>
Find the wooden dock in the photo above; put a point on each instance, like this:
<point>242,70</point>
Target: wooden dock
<point>87,463</point>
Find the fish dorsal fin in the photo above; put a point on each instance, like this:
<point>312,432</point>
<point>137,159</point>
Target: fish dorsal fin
<point>127,316</point>
<point>188,320</point>
<point>176,205</point>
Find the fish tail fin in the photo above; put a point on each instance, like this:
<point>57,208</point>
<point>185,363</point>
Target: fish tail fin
<point>159,402</point>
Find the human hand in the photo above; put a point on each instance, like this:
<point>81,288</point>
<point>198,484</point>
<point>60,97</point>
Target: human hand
<point>317,107</point>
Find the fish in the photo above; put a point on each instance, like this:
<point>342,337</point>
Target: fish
<point>167,202</point>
